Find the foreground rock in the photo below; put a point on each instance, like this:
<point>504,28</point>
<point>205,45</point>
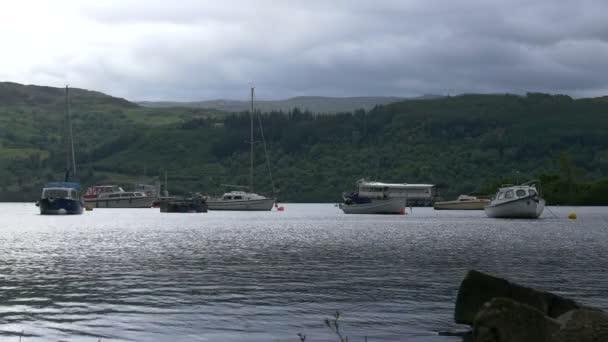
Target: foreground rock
<point>477,288</point>
<point>500,311</point>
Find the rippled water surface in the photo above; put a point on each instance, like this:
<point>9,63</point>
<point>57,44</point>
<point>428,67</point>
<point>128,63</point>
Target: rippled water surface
<point>141,275</point>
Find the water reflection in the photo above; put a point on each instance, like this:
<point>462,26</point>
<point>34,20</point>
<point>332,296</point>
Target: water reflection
<point>134,275</point>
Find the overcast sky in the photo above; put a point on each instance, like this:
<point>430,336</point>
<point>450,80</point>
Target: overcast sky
<point>196,50</point>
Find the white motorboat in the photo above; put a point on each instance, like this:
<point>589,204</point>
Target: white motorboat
<point>240,200</point>
<point>519,201</point>
<point>112,196</point>
<point>464,202</point>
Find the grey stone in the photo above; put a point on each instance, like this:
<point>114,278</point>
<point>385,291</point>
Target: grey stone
<point>505,320</point>
<point>477,288</point>
<point>583,325</point>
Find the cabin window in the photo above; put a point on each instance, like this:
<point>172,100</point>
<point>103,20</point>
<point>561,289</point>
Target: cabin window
<point>114,195</point>
<point>521,193</point>
<point>532,192</point>
<point>509,194</point>
<point>238,197</point>
<point>227,197</point>
<point>56,193</point>
<point>501,195</point>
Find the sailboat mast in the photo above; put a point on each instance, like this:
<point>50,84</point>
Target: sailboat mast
<point>66,133</point>
<point>71,152</point>
<point>251,142</point>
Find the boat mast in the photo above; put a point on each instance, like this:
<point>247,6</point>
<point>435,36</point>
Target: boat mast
<point>66,133</point>
<point>70,154</point>
<point>251,142</point>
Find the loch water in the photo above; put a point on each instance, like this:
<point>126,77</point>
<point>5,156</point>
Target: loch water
<point>142,275</point>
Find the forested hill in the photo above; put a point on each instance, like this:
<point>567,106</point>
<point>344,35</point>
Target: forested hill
<point>15,94</point>
<point>462,143</point>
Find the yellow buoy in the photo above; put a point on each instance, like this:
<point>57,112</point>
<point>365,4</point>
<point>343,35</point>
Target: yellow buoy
<point>572,216</point>
<point>88,207</point>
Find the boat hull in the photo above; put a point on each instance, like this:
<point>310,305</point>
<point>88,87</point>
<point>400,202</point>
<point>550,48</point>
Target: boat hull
<point>183,206</point>
<point>132,202</point>
<point>376,206</point>
<point>527,207</point>
<point>461,205</point>
<point>60,206</point>
<point>244,205</point>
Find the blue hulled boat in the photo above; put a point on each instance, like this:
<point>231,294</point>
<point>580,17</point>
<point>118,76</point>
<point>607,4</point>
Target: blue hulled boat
<point>61,198</point>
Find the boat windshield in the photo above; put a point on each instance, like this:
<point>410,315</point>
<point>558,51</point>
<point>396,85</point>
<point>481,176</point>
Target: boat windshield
<point>56,193</point>
<point>501,195</point>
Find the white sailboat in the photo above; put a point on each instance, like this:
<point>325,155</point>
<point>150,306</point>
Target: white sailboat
<point>243,200</point>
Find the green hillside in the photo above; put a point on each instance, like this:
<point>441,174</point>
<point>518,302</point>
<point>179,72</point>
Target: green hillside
<point>464,144</point>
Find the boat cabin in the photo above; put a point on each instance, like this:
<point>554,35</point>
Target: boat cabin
<point>122,195</point>
<point>61,190</point>
<point>513,192</point>
<point>111,191</point>
<point>416,194</point>
<point>240,196</point>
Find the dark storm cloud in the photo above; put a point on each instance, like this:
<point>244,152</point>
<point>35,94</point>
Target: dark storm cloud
<point>191,50</point>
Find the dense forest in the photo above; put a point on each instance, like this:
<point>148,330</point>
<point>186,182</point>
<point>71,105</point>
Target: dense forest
<point>464,144</point>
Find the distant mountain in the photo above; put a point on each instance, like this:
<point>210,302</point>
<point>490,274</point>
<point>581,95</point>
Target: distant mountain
<point>315,104</point>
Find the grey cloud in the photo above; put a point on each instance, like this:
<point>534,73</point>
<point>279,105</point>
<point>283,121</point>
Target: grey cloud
<point>194,50</point>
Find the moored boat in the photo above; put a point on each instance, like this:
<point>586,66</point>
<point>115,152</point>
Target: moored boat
<point>112,196</point>
<point>371,200</point>
<point>59,198</point>
<point>363,205</point>
<point>519,201</point>
<point>240,200</point>
<point>415,194</point>
<point>464,202</point>
<point>184,204</point>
